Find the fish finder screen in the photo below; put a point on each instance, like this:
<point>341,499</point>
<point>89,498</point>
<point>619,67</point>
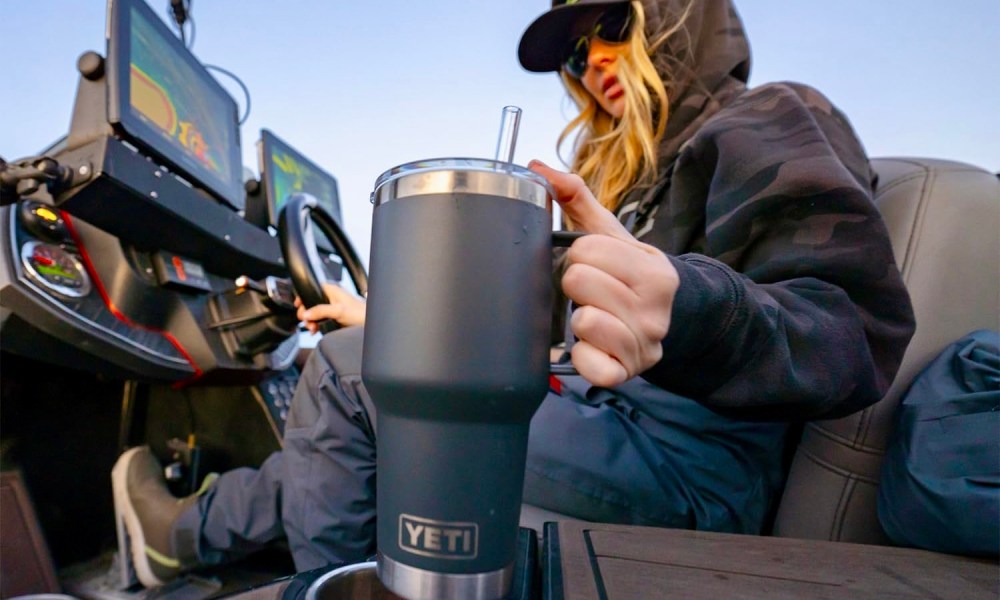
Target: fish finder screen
<point>165,101</point>
<point>285,172</point>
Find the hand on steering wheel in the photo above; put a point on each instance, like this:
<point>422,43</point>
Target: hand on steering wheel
<point>343,307</point>
<point>298,245</point>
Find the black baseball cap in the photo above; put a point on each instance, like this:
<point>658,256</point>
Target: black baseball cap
<point>544,42</point>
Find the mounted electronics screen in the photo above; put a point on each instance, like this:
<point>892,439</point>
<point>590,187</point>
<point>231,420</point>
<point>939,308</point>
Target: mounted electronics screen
<point>163,100</point>
<point>285,171</point>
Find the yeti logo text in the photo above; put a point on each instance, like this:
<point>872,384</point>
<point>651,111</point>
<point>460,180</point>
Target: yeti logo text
<point>438,539</point>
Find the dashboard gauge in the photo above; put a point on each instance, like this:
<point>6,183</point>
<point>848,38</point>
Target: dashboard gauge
<point>43,221</point>
<point>57,270</point>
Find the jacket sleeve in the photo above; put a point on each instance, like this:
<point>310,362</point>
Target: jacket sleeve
<point>794,307</point>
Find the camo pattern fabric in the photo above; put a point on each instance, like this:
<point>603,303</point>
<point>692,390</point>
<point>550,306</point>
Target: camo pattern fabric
<point>789,289</point>
<point>790,303</point>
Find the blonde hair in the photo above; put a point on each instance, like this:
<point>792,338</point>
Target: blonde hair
<point>615,155</point>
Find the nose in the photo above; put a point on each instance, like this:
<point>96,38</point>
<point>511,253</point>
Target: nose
<point>601,54</point>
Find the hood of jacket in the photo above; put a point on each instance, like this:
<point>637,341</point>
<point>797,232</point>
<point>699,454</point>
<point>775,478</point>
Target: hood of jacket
<point>703,65</point>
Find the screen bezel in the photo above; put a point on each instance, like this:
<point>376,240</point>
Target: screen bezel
<point>145,136</point>
<point>265,147</point>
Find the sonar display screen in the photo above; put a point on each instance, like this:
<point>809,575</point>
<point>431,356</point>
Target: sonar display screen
<point>285,172</point>
<point>165,100</point>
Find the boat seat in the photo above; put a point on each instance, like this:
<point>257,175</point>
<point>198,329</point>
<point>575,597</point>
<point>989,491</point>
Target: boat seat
<point>944,222</point>
<point>943,219</point>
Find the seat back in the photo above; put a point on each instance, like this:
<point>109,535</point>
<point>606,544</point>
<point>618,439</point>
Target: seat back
<point>944,222</point>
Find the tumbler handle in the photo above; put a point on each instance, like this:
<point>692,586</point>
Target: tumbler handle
<point>565,239</point>
<point>562,369</point>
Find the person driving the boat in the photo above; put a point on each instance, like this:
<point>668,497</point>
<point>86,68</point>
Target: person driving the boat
<point>738,280</point>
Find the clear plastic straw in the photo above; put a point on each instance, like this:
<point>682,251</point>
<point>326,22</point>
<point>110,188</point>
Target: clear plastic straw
<point>509,123</point>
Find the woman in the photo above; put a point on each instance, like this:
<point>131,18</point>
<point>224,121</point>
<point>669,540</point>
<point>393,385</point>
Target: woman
<point>738,278</point>
<point>768,182</point>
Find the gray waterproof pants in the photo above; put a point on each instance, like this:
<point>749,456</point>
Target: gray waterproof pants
<point>633,454</point>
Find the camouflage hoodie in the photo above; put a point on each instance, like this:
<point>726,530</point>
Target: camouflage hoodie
<point>790,302</point>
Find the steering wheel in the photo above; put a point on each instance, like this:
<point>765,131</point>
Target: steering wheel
<point>298,245</point>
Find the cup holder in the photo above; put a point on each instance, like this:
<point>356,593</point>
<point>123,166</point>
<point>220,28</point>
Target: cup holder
<point>352,582</point>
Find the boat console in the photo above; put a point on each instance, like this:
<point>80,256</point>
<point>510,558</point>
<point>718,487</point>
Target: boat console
<point>145,295</point>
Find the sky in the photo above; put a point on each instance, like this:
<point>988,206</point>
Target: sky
<point>362,86</point>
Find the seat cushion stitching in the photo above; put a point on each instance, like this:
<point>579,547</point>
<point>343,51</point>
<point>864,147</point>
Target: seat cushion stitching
<point>845,499</point>
<point>835,469</point>
<point>844,441</point>
<point>914,241</point>
<point>898,182</point>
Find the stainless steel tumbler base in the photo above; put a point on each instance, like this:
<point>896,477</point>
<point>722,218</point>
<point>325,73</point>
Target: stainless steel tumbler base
<point>419,584</point>
<point>352,582</point>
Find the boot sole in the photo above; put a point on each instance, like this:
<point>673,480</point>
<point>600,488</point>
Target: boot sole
<point>127,521</point>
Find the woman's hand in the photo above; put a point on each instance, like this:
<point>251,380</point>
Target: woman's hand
<point>624,289</point>
<point>343,308</point>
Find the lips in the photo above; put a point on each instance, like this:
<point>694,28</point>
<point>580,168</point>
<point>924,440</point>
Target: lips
<point>611,88</point>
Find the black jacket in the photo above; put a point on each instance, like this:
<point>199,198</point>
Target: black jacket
<point>790,303</point>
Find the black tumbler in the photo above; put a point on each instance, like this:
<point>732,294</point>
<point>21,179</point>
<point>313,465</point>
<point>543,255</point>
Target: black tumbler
<point>456,361</point>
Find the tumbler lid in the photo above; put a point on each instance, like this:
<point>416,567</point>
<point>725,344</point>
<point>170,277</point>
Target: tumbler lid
<point>463,175</point>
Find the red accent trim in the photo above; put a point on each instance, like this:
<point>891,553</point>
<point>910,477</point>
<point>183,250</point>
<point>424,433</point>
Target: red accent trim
<point>179,267</point>
<point>119,314</point>
<point>555,384</point>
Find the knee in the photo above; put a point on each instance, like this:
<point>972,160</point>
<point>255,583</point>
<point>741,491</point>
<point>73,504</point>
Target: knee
<point>341,351</point>
<point>337,358</point>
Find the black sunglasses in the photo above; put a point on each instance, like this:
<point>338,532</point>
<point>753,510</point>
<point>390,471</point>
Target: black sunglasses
<point>612,26</point>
